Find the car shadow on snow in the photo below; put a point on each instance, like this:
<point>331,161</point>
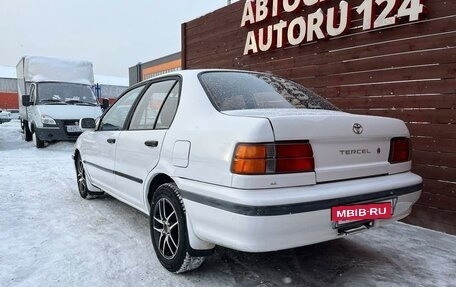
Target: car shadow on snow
<point>322,264</point>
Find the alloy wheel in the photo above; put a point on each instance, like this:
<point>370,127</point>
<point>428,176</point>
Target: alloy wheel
<point>166,227</point>
<point>81,177</point>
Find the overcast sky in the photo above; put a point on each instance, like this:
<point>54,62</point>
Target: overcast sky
<point>113,34</point>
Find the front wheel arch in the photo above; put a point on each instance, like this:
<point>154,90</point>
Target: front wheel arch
<point>32,127</point>
<point>75,155</point>
<point>91,189</point>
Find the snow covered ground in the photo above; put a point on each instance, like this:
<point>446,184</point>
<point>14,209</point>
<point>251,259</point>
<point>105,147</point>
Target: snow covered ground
<point>49,236</point>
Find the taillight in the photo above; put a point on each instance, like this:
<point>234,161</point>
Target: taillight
<point>280,157</point>
<point>252,158</point>
<point>400,150</point>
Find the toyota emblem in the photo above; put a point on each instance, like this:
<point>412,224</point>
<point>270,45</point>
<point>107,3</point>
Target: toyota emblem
<point>357,128</point>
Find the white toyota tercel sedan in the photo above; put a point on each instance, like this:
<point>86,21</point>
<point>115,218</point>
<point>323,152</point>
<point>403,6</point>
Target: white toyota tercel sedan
<point>244,160</point>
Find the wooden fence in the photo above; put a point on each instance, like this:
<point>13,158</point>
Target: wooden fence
<point>406,71</point>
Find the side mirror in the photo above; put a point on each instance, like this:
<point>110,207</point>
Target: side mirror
<point>105,104</point>
<point>87,124</point>
<point>26,100</point>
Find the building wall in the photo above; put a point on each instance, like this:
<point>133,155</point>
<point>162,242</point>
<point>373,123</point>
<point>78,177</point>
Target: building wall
<point>162,69</point>
<point>8,93</point>
<point>406,71</point>
<point>8,100</point>
<point>144,71</point>
<point>111,92</point>
<point>8,85</point>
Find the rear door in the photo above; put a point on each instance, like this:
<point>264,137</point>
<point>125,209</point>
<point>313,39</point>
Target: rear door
<point>139,146</point>
<point>99,146</point>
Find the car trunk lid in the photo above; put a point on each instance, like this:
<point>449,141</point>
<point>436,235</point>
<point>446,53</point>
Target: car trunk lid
<point>345,146</point>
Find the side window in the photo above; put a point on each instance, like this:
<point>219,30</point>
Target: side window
<point>115,118</point>
<point>151,103</point>
<point>32,94</point>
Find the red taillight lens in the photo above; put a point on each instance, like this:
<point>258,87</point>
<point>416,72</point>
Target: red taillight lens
<point>287,150</point>
<point>294,157</point>
<point>273,158</point>
<point>400,150</point>
<point>294,165</point>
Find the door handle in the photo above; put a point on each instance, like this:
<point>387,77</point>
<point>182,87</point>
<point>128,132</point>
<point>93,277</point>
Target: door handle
<point>111,141</point>
<point>151,143</point>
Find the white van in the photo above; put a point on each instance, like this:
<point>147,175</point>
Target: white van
<point>54,94</point>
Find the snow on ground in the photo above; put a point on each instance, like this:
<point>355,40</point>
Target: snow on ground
<point>49,236</point>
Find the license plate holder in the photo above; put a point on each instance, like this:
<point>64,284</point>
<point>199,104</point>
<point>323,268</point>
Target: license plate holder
<point>73,129</point>
<point>361,212</point>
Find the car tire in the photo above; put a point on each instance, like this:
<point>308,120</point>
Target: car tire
<point>168,230</point>
<point>27,132</point>
<point>81,179</point>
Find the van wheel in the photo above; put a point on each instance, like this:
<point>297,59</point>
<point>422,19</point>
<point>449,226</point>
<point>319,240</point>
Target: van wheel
<point>168,230</point>
<point>27,132</point>
<point>38,143</point>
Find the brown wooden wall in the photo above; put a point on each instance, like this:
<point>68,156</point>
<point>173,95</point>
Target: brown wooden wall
<point>406,71</point>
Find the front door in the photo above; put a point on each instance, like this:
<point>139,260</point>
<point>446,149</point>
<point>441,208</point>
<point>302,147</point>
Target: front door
<point>100,145</point>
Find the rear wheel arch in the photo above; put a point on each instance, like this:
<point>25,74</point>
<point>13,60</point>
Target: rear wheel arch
<point>158,180</point>
<point>202,248</point>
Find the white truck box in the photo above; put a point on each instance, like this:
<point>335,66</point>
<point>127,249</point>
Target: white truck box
<point>59,94</point>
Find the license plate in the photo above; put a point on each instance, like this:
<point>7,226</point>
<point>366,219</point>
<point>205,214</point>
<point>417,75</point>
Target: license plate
<point>358,212</point>
<point>73,129</point>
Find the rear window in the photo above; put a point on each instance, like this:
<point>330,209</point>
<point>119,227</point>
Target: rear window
<point>242,91</point>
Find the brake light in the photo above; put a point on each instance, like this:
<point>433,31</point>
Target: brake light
<point>400,150</point>
<point>270,158</point>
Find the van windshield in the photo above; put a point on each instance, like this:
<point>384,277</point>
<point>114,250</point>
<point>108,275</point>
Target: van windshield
<point>230,90</point>
<point>65,93</point>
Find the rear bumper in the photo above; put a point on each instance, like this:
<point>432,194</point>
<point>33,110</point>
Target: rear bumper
<point>275,219</point>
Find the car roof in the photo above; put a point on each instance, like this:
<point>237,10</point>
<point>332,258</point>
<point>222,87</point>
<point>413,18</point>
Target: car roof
<point>192,72</point>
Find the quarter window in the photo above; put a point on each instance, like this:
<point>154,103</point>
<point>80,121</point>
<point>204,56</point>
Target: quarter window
<point>167,112</point>
<point>157,106</point>
<point>114,119</point>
